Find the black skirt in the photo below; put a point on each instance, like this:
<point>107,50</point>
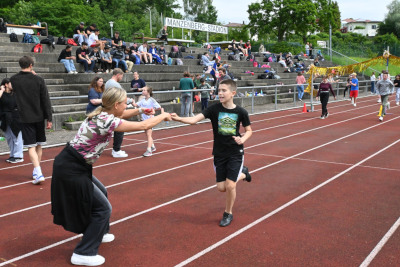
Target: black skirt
<point>71,191</point>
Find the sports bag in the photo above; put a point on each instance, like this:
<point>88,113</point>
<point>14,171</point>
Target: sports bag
<point>38,48</point>
<point>13,37</point>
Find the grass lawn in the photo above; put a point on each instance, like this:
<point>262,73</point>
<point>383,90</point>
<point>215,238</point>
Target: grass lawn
<point>393,70</point>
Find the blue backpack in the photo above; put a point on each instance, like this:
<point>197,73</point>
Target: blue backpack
<point>169,62</point>
<point>27,38</point>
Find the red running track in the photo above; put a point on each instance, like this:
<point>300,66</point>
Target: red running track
<point>324,193</point>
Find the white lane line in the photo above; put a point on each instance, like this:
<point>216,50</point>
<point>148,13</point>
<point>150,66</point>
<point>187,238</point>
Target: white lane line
<point>191,133</point>
<point>208,188</point>
<point>240,231</point>
<point>380,245</point>
<point>259,144</point>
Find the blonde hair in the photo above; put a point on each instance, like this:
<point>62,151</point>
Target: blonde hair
<point>110,97</point>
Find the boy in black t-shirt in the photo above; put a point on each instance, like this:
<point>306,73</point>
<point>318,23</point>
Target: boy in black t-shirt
<point>228,143</point>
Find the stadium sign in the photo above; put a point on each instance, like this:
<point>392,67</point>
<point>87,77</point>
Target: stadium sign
<point>197,26</point>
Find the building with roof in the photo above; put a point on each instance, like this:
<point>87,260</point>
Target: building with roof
<point>367,28</point>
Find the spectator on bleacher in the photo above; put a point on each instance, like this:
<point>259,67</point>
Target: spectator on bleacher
<point>282,61</point>
<point>222,76</point>
<point>135,55</point>
<point>307,48</point>
<point>116,41</point>
<point>153,51</point>
<point>10,125</point>
<point>89,30</point>
<point>242,48</point>
<point>146,56</point>
<point>119,58</point>
<point>95,57</point>
<point>106,59</point>
<point>162,34</point>
<point>128,60</point>
<point>247,46</point>
<point>137,83</point>
<point>163,54</point>
<point>96,90</point>
<point>233,46</point>
<point>79,33</point>
<point>82,57</point>
<point>31,93</point>
<point>206,60</point>
<point>67,59</point>
<point>186,83</point>
<point>316,62</point>
<point>214,70</point>
<point>310,53</point>
<point>94,40</point>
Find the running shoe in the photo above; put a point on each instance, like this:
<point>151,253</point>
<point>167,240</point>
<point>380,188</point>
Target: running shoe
<point>153,148</point>
<point>107,238</point>
<point>38,179</point>
<point>381,118</point>
<point>226,219</point>
<point>10,159</point>
<point>96,260</point>
<point>119,154</point>
<point>147,153</point>
<point>245,170</point>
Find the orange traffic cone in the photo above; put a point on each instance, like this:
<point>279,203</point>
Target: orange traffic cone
<point>304,108</point>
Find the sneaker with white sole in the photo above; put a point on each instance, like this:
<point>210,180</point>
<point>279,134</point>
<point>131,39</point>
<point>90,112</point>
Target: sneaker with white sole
<point>77,259</point>
<point>71,72</point>
<point>379,100</point>
<point>16,160</point>
<point>38,179</point>
<point>355,104</point>
<point>381,118</point>
<point>153,148</point>
<point>119,154</point>
<point>147,154</point>
<point>397,103</point>
<point>322,117</point>
<point>107,238</point>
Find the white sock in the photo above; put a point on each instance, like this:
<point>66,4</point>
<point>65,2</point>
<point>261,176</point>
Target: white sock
<point>37,170</point>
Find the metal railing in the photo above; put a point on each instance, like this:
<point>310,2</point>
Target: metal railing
<point>256,98</point>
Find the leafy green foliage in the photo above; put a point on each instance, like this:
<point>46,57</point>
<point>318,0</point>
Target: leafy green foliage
<point>391,24</point>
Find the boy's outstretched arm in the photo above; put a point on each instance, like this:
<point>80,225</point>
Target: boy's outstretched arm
<point>241,139</point>
<point>188,120</point>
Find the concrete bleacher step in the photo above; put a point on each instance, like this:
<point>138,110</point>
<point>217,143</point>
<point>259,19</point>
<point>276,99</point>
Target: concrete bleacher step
<point>17,69</point>
<point>54,81</point>
<point>69,108</point>
<point>63,93</point>
<point>284,100</point>
<point>72,125</point>
<point>60,118</point>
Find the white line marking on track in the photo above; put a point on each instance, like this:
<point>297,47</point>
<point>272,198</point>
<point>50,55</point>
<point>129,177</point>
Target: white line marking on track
<point>240,231</point>
<point>380,245</point>
<point>208,188</point>
<point>270,141</point>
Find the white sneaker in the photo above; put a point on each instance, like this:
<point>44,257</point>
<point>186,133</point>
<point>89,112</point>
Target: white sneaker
<point>77,259</point>
<point>147,154</point>
<point>381,118</point>
<point>106,71</point>
<point>75,72</point>
<point>38,179</point>
<point>355,104</point>
<point>397,103</point>
<point>71,72</point>
<point>153,148</point>
<point>119,154</point>
<point>379,100</point>
<point>107,238</point>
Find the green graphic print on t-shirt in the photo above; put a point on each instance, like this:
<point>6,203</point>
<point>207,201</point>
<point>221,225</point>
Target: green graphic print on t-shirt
<point>227,123</point>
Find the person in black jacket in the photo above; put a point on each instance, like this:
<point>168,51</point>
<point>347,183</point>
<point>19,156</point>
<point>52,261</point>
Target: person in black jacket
<point>34,108</point>
<point>10,122</point>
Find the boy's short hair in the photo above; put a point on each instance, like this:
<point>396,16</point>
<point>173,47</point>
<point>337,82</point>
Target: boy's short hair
<point>84,43</point>
<point>230,83</point>
<point>25,62</point>
<point>202,80</point>
<point>117,32</point>
<point>223,70</point>
<point>117,71</point>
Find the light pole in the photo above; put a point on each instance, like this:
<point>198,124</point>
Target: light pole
<point>151,30</point>
<point>111,25</point>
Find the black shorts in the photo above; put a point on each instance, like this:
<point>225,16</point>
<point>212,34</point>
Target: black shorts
<point>33,134</point>
<point>229,167</point>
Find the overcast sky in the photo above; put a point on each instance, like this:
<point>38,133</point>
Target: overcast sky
<point>236,10</point>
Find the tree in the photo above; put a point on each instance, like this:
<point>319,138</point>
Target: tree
<point>328,13</point>
<point>282,17</point>
<point>391,24</point>
<point>200,11</point>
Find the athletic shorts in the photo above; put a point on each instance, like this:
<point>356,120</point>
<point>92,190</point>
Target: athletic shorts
<point>93,45</point>
<point>33,134</point>
<point>228,167</point>
<point>354,93</point>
